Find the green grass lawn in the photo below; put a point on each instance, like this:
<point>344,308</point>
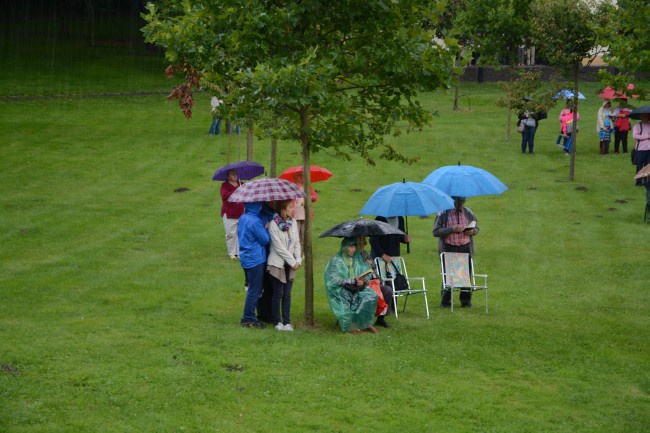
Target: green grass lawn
<point>120,307</point>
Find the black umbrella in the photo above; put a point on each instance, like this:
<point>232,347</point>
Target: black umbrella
<point>361,227</point>
<point>637,112</point>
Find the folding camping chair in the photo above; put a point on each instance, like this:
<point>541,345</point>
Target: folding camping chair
<point>458,273</point>
<point>387,276</point>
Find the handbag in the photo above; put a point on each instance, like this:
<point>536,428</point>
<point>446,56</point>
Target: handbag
<point>399,281</point>
<point>633,156</point>
<point>352,288</point>
<point>520,127</point>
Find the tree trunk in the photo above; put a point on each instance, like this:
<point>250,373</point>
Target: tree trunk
<point>511,73</point>
<point>307,247</point>
<point>249,144</point>
<point>574,133</point>
<point>274,157</point>
<point>457,89</point>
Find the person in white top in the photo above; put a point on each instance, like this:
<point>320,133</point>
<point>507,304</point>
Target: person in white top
<point>285,256</point>
<point>216,121</point>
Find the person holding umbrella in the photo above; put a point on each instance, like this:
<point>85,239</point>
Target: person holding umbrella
<point>230,213</point>
<point>353,303</point>
<point>622,125</point>
<point>455,230</point>
<point>299,208</point>
<point>232,175</point>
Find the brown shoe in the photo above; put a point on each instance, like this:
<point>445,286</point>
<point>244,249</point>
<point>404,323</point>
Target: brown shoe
<point>372,330</point>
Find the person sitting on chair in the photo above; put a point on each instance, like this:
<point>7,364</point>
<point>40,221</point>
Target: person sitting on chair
<point>455,230</point>
<point>384,291</point>
<point>388,246</point>
<point>353,303</point>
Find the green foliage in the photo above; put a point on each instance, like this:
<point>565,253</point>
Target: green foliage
<point>564,32</point>
<point>354,67</point>
<point>528,93</point>
<point>496,29</point>
<point>627,38</point>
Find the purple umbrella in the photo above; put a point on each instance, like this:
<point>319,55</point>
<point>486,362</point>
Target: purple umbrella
<point>245,170</point>
<point>266,189</point>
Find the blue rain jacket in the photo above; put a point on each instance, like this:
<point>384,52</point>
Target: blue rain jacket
<point>253,237</point>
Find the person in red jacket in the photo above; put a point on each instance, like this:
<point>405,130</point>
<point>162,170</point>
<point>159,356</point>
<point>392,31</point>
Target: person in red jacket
<point>622,125</point>
<point>230,213</point>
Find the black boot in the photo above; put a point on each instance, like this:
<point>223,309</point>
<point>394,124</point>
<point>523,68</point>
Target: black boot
<point>381,321</point>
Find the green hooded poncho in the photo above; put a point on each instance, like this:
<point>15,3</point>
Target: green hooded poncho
<point>353,310</point>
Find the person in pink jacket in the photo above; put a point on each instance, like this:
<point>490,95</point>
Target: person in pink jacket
<point>641,133</point>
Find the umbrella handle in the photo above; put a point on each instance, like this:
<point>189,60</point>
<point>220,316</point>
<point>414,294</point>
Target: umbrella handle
<point>406,227</point>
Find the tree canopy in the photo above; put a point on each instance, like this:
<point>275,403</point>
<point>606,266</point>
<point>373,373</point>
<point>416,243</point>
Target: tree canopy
<point>333,74</point>
<point>358,66</point>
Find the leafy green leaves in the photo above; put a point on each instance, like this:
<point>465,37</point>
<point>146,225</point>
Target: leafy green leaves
<point>354,66</point>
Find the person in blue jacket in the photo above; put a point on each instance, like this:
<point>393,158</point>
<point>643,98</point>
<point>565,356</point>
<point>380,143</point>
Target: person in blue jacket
<point>253,239</point>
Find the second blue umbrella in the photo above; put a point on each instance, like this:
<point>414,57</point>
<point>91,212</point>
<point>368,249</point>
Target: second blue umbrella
<point>407,199</point>
<point>465,181</point>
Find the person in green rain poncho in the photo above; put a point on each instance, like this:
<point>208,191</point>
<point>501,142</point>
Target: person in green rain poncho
<point>351,300</point>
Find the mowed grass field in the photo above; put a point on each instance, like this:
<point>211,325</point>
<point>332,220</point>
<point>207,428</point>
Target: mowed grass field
<point>120,307</point>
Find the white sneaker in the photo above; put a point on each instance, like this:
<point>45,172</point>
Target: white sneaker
<point>280,327</point>
<point>288,327</point>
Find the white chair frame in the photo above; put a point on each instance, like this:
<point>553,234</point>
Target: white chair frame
<point>381,269</point>
<point>448,282</point>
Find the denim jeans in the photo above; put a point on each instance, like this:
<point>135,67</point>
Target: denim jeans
<point>216,126</point>
<point>255,278</point>
<point>528,138</point>
<point>281,298</point>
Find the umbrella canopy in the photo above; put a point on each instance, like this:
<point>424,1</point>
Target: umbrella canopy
<point>245,170</point>
<point>568,94</point>
<point>465,181</point>
<point>637,112</point>
<point>361,227</point>
<point>609,93</point>
<point>316,173</point>
<point>266,189</point>
<point>405,199</point>
<point>644,172</point>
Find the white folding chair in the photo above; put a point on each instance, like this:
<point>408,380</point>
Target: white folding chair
<point>458,274</point>
<point>387,276</point>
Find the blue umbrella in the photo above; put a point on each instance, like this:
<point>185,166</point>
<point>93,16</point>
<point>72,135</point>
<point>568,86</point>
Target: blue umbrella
<point>568,94</point>
<point>407,198</point>
<point>464,181</point>
<point>245,170</point>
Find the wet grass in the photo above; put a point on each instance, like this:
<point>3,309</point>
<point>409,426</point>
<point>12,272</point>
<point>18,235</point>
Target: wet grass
<point>120,306</point>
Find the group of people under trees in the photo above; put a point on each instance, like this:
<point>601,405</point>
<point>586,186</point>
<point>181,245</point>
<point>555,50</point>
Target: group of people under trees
<point>267,240</point>
<point>269,247</point>
<point>613,122</point>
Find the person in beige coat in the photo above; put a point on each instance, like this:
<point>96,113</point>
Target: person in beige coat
<point>285,256</point>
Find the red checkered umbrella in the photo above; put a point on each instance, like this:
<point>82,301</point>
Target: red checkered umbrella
<point>266,189</point>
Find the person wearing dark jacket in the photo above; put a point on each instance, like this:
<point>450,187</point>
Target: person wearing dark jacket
<point>451,229</point>
<point>388,246</point>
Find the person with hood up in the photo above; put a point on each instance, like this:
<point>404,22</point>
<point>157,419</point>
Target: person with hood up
<point>353,303</point>
<point>253,239</point>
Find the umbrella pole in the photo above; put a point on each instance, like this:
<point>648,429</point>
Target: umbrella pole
<point>406,227</point>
